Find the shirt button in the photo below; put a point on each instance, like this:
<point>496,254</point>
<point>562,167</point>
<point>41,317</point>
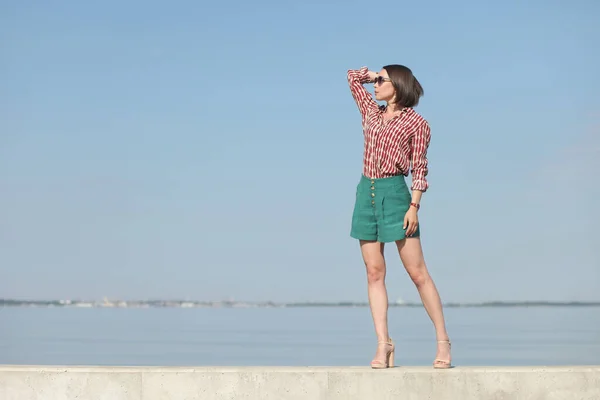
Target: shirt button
<point>372,194</point>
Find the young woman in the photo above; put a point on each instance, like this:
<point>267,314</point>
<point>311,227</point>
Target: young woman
<point>396,137</point>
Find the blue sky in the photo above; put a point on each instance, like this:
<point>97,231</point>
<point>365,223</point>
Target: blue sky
<point>209,150</point>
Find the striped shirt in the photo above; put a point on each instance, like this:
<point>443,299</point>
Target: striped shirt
<point>391,146</point>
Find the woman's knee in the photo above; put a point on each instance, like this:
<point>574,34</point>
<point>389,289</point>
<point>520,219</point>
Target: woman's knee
<point>419,275</point>
<point>375,271</point>
<point>374,260</point>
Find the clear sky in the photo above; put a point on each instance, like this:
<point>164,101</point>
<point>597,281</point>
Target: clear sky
<point>207,150</point>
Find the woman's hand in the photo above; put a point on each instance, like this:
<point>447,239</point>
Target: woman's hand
<point>411,221</point>
<point>372,75</point>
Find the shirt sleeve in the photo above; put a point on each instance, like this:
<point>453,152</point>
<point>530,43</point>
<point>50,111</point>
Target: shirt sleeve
<point>364,100</point>
<point>420,144</point>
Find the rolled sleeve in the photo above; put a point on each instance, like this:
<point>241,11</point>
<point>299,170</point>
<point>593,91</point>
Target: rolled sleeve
<point>420,168</point>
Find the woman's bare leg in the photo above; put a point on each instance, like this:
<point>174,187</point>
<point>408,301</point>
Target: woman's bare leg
<point>372,253</point>
<point>411,255</point>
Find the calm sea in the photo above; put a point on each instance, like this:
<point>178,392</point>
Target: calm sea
<point>293,336</point>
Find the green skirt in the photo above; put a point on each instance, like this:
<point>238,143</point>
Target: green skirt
<point>379,209</point>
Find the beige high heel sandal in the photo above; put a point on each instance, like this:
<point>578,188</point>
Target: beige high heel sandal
<point>389,357</point>
<point>442,364</point>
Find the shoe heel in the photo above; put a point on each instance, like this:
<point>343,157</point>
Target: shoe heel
<point>388,361</point>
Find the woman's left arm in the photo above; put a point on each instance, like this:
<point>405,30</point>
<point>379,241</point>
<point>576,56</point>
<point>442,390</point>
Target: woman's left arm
<point>420,144</point>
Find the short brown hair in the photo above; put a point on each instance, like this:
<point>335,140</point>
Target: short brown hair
<point>408,88</point>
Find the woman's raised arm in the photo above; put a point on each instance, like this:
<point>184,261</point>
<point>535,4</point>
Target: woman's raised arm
<point>356,80</point>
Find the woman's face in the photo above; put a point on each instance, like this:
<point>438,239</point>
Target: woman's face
<point>384,89</point>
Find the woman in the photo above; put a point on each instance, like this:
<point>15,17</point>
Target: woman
<point>395,137</point>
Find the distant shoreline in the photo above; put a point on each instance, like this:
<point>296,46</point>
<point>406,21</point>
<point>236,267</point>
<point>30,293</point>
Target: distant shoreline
<point>106,303</point>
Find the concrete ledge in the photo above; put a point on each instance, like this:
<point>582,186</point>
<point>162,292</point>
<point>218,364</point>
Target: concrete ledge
<point>311,383</point>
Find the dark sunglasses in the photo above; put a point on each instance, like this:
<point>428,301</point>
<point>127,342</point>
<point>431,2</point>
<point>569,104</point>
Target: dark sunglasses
<point>380,79</point>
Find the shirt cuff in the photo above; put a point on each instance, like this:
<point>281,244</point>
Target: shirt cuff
<point>420,184</point>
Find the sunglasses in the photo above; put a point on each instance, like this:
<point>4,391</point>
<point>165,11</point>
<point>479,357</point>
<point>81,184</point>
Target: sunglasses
<point>380,79</point>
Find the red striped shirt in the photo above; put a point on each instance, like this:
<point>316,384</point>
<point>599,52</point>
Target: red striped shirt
<point>391,146</point>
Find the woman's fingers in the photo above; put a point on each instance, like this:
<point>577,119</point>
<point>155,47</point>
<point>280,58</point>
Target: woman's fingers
<point>412,228</point>
<point>410,223</point>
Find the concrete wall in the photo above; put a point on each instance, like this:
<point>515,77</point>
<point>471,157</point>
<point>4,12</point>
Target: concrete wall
<point>306,383</point>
